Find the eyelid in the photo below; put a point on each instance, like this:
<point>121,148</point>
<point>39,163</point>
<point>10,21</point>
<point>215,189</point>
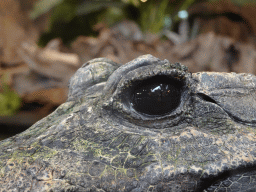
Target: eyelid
<point>142,61</point>
<point>144,73</point>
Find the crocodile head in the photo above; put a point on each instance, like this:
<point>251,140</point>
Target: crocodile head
<point>147,125</point>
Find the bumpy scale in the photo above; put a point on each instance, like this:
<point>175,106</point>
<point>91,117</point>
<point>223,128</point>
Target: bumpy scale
<point>147,125</point>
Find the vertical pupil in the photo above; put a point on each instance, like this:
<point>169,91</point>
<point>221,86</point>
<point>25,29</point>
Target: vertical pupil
<point>157,96</point>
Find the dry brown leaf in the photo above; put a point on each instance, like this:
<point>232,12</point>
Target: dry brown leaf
<point>15,27</point>
<point>48,62</point>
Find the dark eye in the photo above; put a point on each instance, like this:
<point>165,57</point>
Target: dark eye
<point>152,96</point>
<point>158,95</point>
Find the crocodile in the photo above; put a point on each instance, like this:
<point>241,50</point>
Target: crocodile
<point>147,125</point>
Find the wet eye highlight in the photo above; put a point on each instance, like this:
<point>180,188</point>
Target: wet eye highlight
<point>158,95</point>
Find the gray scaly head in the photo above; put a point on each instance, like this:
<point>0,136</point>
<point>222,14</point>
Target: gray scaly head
<point>147,125</point>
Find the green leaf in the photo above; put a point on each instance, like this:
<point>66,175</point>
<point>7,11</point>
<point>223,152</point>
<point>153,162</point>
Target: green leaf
<point>10,101</point>
<point>135,3</point>
<point>63,12</point>
<point>91,6</point>
<point>186,4</point>
<point>111,16</point>
<point>43,6</point>
<point>153,15</point>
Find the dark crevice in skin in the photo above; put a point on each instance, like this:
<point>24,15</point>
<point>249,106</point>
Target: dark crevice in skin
<point>209,182</point>
<point>206,98</point>
<point>234,118</point>
<point>238,120</point>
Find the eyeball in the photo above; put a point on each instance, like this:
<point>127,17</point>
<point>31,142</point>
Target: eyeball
<point>157,95</point>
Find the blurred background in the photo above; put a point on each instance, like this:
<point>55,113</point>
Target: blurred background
<point>43,43</point>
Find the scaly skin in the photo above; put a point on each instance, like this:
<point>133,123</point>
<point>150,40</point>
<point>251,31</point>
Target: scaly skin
<point>98,141</point>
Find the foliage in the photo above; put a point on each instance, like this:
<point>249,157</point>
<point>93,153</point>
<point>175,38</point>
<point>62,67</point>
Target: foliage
<point>71,18</point>
<point>153,16</point>
<point>10,101</point>
<point>43,6</point>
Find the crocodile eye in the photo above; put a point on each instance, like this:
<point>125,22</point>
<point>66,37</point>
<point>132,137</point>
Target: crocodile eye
<point>158,95</point>
<point>152,96</point>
